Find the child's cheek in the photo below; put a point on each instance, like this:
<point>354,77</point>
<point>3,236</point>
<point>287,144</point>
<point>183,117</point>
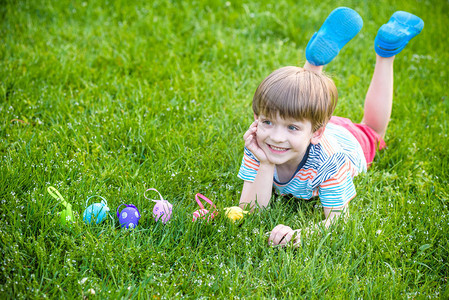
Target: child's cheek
<point>260,133</point>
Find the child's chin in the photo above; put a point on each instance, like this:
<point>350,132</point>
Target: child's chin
<point>277,160</point>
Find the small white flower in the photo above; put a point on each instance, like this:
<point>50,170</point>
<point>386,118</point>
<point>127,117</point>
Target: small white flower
<point>82,281</point>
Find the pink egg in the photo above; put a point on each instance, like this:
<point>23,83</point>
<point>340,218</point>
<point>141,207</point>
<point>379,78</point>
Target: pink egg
<point>162,211</point>
<point>202,213</point>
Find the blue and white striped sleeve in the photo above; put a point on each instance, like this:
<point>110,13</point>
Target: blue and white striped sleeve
<point>249,167</point>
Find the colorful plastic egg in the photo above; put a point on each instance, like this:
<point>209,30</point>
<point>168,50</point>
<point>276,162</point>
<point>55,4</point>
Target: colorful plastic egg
<point>66,216</point>
<point>202,212</point>
<point>162,211</point>
<point>129,217</point>
<point>97,212</point>
<point>235,213</point>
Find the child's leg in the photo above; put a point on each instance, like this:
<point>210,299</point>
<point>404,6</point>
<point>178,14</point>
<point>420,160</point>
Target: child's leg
<point>390,40</point>
<point>379,98</point>
<point>309,67</point>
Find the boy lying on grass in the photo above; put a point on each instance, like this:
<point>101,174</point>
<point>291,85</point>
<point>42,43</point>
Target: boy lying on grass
<point>297,146</point>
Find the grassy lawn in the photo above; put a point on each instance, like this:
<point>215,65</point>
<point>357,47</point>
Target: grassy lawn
<point>111,98</point>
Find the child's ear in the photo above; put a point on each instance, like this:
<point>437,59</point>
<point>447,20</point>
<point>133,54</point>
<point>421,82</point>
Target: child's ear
<point>255,117</point>
<point>316,136</point>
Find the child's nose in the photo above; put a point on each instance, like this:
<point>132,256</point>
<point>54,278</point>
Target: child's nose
<point>279,135</point>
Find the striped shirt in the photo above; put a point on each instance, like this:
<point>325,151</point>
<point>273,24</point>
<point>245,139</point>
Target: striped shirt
<point>326,171</point>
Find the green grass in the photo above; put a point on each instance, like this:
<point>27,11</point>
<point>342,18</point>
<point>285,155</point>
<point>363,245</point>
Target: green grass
<point>113,97</point>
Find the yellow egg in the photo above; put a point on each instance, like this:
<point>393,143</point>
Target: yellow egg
<point>235,213</point>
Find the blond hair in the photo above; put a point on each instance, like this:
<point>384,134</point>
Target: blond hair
<point>296,93</point>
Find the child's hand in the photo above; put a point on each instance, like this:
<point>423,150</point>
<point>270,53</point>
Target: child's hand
<point>281,235</point>
<point>251,142</point>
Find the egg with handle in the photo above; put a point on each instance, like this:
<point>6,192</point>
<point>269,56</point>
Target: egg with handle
<point>162,210</point>
<point>202,212</point>
<point>129,216</point>
<point>66,216</point>
<point>96,212</point>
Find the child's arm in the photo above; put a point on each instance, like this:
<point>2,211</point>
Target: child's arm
<point>335,192</point>
<point>281,234</point>
<point>332,214</point>
<point>259,191</point>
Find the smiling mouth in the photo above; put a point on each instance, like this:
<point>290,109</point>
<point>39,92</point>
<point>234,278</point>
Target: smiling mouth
<point>277,149</point>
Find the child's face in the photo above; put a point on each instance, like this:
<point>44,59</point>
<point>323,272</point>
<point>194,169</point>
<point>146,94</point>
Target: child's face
<point>285,141</point>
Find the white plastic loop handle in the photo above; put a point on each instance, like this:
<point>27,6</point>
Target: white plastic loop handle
<point>152,189</point>
<point>102,201</point>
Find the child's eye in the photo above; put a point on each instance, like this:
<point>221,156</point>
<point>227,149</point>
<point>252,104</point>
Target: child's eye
<point>293,127</point>
<point>267,122</point>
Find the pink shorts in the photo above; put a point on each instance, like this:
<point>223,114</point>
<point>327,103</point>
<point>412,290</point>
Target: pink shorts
<point>367,137</point>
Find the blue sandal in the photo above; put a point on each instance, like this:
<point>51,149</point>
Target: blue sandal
<point>338,29</point>
<point>394,36</point>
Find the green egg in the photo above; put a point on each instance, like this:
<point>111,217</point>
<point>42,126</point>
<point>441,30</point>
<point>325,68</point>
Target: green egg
<point>66,216</point>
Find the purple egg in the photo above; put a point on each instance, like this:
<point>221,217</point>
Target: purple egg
<point>129,216</point>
